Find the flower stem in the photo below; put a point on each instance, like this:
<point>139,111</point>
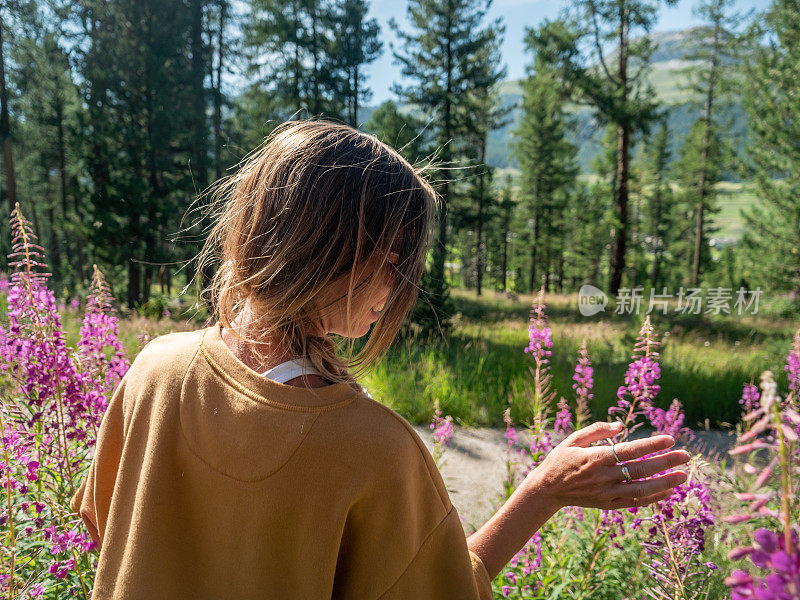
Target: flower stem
<point>673,563</point>
<point>11,534</point>
<point>783,453</point>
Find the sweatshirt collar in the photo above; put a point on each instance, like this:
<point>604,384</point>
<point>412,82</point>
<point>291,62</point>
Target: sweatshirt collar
<point>216,352</point>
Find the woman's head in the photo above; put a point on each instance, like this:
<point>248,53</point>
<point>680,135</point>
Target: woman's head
<point>318,226</point>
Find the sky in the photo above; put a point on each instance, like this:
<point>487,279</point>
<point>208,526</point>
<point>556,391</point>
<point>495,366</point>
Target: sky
<point>517,15</point>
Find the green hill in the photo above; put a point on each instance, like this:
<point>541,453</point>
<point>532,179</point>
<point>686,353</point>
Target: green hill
<point>669,79</point>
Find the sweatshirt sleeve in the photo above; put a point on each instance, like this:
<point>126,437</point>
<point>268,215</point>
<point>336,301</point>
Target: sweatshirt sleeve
<point>439,570</point>
<point>92,499</point>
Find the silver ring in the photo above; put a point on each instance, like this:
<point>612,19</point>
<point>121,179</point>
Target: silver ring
<point>626,473</point>
<point>614,452</point>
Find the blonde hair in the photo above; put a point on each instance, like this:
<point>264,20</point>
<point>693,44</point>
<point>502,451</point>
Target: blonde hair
<point>306,208</point>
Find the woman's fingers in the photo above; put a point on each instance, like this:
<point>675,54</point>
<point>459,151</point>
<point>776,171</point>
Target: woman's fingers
<point>593,433</point>
<point>637,448</point>
<point>649,466</point>
<point>617,503</point>
<point>647,487</point>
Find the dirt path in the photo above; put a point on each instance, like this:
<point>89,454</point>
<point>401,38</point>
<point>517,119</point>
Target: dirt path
<point>474,466</point>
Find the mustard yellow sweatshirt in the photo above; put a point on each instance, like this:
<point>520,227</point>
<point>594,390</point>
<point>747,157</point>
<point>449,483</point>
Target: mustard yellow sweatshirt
<point>210,481</point>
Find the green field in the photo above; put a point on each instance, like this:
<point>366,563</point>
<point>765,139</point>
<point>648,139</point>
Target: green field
<point>483,369</point>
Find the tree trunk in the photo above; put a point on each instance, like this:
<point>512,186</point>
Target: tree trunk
<point>505,255</point>
<point>702,186</point>
<point>297,74</point>
<point>200,135</point>
<point>534,244</point>
<point>440,249</point>
<point>54,252</point>
<point>317,104</point>
<point>218,95</point>
<point>548,264</point>
<point>148,281</point>
<point>134,271</point>
<point>62,170</point>
<point>623,147</point>
<point>560,269</point>
<point>657,240</point>
<point>5,131</point>
<point>479,241</point>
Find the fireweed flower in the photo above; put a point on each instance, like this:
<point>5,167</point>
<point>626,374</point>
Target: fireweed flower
<point>442,432</point>
<point>635,400</point>
<point>563,422</point>
<point>769,553</point>
<point>98,333</point>
<point>793,367</point>
<point>541,397</point>
<point>511,434</point>
<point>529,558</point>
<point>750,396</point>
<point>676,526</point>
<point>511,454</point>
<point>539,334</point>
<point>768,440</point>
<point>636,396</point>
<point>48,420</point>
<point>670,421</point>
<point>584,382</point>
<point>676,542</point>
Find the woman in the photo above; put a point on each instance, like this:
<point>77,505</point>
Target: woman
<point>243,460</point>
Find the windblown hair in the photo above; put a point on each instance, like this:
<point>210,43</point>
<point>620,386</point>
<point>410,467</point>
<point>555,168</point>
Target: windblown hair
<point>312,204</point>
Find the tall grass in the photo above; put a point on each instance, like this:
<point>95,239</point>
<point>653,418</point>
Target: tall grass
<point>482,371</point>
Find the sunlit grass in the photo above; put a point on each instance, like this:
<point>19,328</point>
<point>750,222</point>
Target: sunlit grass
<point>483,370</point>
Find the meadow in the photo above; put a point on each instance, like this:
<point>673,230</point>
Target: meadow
<point>481,370</point>
<point>730,531</point>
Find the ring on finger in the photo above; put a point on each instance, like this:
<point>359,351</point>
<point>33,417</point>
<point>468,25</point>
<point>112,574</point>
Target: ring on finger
<point>626,473</point>
<point>614,452</point>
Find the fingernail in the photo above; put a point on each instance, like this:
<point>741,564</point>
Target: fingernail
<point>616,424</point>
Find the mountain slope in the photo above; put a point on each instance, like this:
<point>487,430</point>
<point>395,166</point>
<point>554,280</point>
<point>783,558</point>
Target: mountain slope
<point>668,76</point>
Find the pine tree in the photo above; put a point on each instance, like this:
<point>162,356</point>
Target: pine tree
<point>47,108</point>
<point>403,132</point>
<point>546,158</point>
<point>587,212</point>
<point>441,57</point>
<point>8,10</point>
<point>712,82</point>
<point>289,45</point>
<point>355,44</point>
<point>772,234</point>
<point>501,231</point>
<point>488,115</point>
<point>618,91</point>
<point>221,45</point>
<point>697,170</point>
<point>135,61</point>
<point>661,214</point>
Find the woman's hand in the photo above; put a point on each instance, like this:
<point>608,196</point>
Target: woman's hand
<point>577,474</point>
